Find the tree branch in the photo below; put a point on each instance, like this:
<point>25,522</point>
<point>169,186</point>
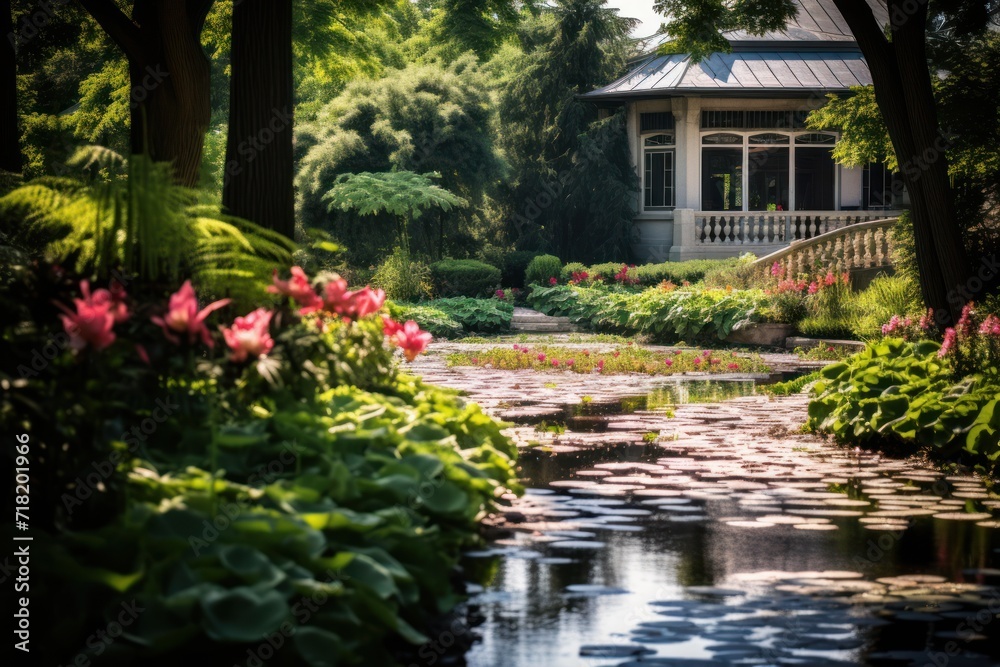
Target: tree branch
<point>119,27</point>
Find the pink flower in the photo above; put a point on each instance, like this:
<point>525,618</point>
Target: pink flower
<point>615,354</point>
<point>249,337</point>
<point>733,366</point>
<point>947,343</point>
<point>412,340</point>
<point>92,322</point>
<point>183,316</point>
<point>118,296</point>
<point>555,363</point>
<point>600,366</point>
<point>677,352</point>
<point>715,362</point>
<point>569,362</point>
<point>776,270</point>
<point>813,287</point>
<point>830,279</point>
<point>553,280</point>
<point>927,320</point>
<point>336,298</point>
<point>990,326</point>
<point>365,302</point>
<point>586,353</point>
<point>541,357</point>
<point>298,288</point>
<point>390,326</point>
<point>143,354</point>
<point>706,353</point>
<point>964,325</point>
<point>668,362</point>
<point>830,349</point>
<point>697,361</point>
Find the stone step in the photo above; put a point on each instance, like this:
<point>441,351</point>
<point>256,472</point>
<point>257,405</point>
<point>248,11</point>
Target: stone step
<point>544,318</point>
<point>543,327</point>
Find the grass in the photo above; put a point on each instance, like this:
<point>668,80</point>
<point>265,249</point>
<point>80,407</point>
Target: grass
<point>623,359</point>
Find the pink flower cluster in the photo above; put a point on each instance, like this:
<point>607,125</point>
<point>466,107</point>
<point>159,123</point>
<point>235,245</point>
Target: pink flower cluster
<point>95,315</point>
<point>91,322</point>
<point>578,277</point>
<point>896,324</point>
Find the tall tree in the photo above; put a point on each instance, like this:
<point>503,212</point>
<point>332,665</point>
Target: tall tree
<point>544,133</point>
<point>10,146</point>
<point>902,82</point>
<point>258,173</point>
<point>170,77</point>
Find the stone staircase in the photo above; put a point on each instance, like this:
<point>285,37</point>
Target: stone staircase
<point>526,320</point>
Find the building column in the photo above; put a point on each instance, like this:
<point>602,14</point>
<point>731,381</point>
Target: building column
<point>692,154</point>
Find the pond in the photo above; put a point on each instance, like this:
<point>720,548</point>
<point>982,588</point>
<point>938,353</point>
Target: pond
<point>726,538</point>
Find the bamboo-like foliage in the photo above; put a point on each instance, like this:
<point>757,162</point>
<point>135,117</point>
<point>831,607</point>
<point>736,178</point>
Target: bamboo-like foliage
<point>143,225</point>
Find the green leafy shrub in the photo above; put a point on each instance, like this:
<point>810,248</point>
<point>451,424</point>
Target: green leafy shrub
<point>434,320</point>
<point>542,269</point>
<point>515,265</point>
<point>885,296</point>
<point>568,270</point>
<point>669,315</point>
<point>740,274</point>
<point>905,394</point>
<point>402,278</point>
<point>291,467</point>
<point>477,315</point>
<point>464,277</point>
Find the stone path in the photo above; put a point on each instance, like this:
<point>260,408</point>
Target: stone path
<point>526,320</point>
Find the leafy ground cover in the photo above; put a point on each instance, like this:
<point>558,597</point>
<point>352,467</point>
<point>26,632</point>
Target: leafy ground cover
<point>273,477</point>
<point>457,316</point>
<point>664,313</point>
<point>623,359</point>
<point>919,394</point>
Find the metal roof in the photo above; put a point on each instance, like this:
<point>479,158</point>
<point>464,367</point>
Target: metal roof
<point>791,73</point>
<point>816,53</point>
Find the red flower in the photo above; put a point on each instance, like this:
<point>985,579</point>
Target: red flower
<point>733,366</point>
<point>500,294</point>
<point>297,287</point>
<point>569,362</point>
<point>249,336</point>
<point>668,362</point>
<point>715,361</point>
<point>390,326</point>
<point>615,354</point>
<point>541,357</point>
<point>697,361</point>
<point>92,322</point>
<point>183,316</point>
<point>830,279</point>
<point>141,351</point>
<point>364,302</point>
<point>555,362</point>
<point>600,366</point>
<point>553,280</point>
<point>411,339</point>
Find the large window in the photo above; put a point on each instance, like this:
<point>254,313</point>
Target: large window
<point>658,174</point>
<point>766,170</point>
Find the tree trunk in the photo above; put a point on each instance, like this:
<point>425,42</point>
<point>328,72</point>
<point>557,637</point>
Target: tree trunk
<point>258,183</point>
<point>10,141</point>
<point>904,95</point>
<point>170,77</point>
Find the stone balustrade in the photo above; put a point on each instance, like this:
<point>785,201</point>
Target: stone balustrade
<point>864,245</point>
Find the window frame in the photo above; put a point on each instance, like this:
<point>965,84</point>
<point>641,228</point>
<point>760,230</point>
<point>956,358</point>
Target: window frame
<point>792,144</point>
<point>670,149</point>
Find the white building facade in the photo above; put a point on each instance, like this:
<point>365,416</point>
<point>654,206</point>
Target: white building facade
<point>725,161</point>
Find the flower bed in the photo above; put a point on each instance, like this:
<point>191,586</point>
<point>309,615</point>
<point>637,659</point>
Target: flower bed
<point>270,475</point>
<point>623,359</point>
<point>919,394</point>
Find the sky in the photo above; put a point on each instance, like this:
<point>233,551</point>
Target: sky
<point>639,9</point>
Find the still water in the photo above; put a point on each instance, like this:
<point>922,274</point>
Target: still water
<point>725,543</point>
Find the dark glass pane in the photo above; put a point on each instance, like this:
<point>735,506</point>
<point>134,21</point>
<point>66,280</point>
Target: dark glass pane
<point>767,179</point>
<point>814,179</point>
<point>722,179</point>
<point>660,140</point>
<point>654,179</point>
<point>816,139</point>
<point>769,138</point>
<point>722,139</point>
